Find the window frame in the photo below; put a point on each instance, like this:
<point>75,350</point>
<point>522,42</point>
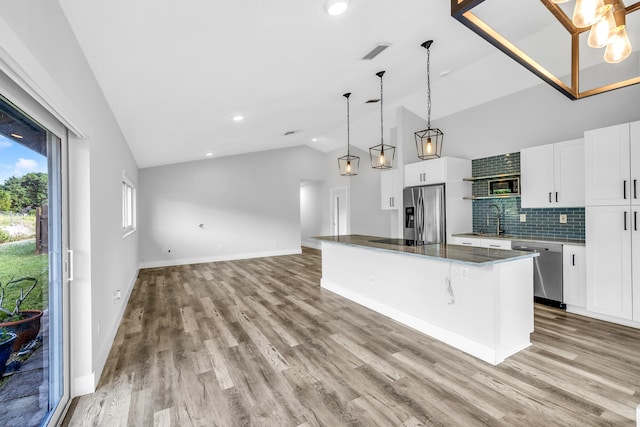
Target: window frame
<point>129,206</point>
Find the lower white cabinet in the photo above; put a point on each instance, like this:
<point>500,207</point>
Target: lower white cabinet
<point>574,272</point>
<point>609,230</point>
<point>480,242</point>
<point>389,190</point>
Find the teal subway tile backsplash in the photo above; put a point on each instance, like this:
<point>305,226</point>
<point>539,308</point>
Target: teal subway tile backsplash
<point>539,222</point>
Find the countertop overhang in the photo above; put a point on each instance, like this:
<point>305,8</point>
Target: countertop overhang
<point>474,256</point>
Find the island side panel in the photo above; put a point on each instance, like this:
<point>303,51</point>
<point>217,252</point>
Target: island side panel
<point>413,291</point>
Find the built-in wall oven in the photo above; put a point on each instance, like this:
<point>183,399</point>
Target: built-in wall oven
<point>547,271</point>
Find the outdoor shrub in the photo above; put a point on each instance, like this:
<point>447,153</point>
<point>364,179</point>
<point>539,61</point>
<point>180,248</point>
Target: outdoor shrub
<point>4,236</point>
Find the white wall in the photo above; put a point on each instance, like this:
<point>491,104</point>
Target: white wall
<point>311,212</point>
<point>536,116</point>
<point>249,206</point>
<point>104,260</point>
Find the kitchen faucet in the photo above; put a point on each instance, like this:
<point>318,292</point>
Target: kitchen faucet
<point>497,218</point>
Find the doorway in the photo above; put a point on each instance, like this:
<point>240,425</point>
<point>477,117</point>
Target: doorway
<point>339,211</point>
<point>34,382</point>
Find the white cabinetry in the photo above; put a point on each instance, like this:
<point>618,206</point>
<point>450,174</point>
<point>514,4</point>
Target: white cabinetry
<point>574,276</point>
<point>389,189</point>
<point>480,242</point>
<point>553,175</point>
<point>425,172</point>
<point>609,261</point>
<point>613,209</point>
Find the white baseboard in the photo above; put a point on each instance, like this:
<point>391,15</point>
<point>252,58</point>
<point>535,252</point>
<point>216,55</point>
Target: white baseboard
<point>482,352</point>
<point>584,312</point>
<point>312,245</point>
<point>83,385</point>
<point>232,257</point>
<point>111,334</point>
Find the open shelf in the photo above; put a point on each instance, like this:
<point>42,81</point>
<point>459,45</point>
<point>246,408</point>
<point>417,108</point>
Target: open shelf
<point>503,196</point>
<point>501,175</point>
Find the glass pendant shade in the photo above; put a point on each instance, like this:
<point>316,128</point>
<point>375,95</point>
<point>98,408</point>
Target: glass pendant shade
<point>600,31</point>
<point>587,12</point>
<point>429,143</point>
<point>619,47</point>
<point>382,155</point>
<point>348,165</point>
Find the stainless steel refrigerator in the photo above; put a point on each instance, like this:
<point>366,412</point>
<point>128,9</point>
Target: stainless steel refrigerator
<point>424,214</point>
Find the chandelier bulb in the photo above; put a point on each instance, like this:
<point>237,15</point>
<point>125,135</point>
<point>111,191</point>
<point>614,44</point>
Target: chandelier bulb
<point>619,46</point>
<point>587,12</point>
<point>600,31</point>
<point>429,146</point>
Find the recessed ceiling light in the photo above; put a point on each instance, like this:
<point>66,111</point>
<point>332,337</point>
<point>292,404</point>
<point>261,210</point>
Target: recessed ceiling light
<point>15,135</point>
<point>314,139</point>
<point>208,154</point>
<point>445,73</point>
<point>336,7</point>
<point>237,117</point>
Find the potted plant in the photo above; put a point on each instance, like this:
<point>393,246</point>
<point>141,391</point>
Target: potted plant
<point>6,342</point>
<point>24,323</point>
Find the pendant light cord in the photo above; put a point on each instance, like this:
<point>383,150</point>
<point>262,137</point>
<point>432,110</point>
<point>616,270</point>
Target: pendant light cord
<point>348,130</point>
<point>381,73</point>
<point>428,88</point>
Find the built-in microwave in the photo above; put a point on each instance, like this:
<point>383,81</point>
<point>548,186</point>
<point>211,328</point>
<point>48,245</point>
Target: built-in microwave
<point>501,187</point>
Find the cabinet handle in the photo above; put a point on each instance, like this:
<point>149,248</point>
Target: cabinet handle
<point>573,259</point>
<point>624,188</point>
<point>625,220</point>
<point>466,243</point>
<point>635,188</point>
<point>635,220</point>
<point>556,197</point>
<point>494,246</point>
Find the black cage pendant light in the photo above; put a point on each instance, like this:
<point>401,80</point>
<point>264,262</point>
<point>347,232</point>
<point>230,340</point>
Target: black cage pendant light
<point>348,164</point>
<point>429,141</point>
<point>382,154</point>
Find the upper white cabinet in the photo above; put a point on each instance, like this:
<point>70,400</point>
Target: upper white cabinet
<point>612,157</point>
<point>425,172</point>
<point>389,186</point>
<point>574,270</point>
<point>552,176</point>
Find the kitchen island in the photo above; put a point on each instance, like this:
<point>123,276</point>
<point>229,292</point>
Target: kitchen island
<point>478,300</point>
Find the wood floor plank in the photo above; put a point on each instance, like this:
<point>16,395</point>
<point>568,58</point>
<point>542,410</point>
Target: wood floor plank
<point>258,342</point>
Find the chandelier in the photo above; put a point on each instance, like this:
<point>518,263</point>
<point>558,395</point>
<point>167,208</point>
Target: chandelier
<point>588,24</point>
<point>382,155</point>
<point>348,165</point>
<point>429,141</point>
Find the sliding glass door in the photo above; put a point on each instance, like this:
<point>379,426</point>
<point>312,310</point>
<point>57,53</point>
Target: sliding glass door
<point>34,385</point>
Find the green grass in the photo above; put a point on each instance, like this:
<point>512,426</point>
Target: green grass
<point>18,260</point>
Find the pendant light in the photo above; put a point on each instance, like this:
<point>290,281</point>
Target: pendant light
<point>348,165</point>
<point>382,154</point>
<point>429,141</point>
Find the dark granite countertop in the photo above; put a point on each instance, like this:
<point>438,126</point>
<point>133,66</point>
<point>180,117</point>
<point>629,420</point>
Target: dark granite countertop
<point>522,238</point>
<point>474,256</point>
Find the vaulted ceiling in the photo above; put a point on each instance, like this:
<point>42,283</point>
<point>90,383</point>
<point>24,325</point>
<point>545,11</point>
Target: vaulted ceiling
<point>175,72</point>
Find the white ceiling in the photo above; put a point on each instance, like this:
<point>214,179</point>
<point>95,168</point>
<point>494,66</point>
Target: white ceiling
<point>174,72</point>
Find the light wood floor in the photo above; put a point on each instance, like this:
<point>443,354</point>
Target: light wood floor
<point>258,342</point>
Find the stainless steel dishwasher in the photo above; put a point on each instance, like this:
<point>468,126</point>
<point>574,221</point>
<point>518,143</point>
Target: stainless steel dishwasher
<point>547,271</point>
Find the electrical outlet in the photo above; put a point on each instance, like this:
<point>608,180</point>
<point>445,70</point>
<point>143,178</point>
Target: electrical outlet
<point>563,218</point>
<point>523,217</point>
<point>464,273</point>
<point>117,294</point>
<point>370,280</point>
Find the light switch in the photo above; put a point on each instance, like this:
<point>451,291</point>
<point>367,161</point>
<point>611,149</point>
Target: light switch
<point>563,218</point>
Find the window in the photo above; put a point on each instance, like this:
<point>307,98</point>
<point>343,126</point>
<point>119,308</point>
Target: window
<point>128,206</point>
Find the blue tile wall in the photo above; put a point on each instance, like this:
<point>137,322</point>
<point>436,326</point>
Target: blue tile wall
<point>540,222</point>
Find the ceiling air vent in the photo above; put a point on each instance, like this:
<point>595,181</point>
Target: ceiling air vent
<point>291,132</point>
<point>376,51</point>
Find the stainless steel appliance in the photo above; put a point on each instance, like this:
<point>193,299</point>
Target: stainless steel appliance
<point>424,214</point>
<point>547,271</point>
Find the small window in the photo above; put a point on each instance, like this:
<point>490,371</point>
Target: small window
<point>128,206</point>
